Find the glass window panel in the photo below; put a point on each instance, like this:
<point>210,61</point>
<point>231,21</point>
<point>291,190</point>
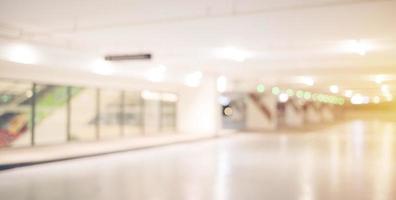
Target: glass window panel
<point>15,110</point>
<point>151,116</point>
<point>50,116</point>
<point>83,114</point>
<point>168,116</point>
<point>132,114</point>
<point>110,113</point>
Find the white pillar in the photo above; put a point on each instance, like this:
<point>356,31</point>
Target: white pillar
<point>198,110</point>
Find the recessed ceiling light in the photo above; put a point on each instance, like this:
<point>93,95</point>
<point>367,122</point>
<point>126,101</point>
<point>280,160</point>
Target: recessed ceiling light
<point>334,89</point>
<point>156,74</point>
<point>283,97</point>
<point>276,90</point>
<point>150,95</point>
<point>357,46</point>
<point>359,99</point>
<point>385,89</point>
<point>379,79</point>
<point>233,53</point>
<point>260,88</point>
<point>102,67</point>
<point>193,79</point>
<point>348,93</point>
<point>224,101</point>
<point>169,97</point>
<point>306,80</point>
<point>290,92</point>
<point>376,99</point>
<point>22,53</point>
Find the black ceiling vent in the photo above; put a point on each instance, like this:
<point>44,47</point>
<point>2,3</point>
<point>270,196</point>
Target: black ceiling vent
<point>127,57</point>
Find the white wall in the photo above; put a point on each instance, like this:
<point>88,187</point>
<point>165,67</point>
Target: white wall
<point>198,110</point>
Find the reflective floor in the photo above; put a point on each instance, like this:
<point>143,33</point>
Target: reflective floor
<point>355,160</point>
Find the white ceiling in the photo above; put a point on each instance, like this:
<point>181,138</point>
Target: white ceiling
<point>286,37</point>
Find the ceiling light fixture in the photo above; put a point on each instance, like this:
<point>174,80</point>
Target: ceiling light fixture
<point>102,67</point>
<point>156,74</point>
<point>128,57</point>
<point>169,97</point>
<point>358,99</point>
<point>379,79</point>
<point>334,89</point>
<point>233,53</point>
<point>193,79</point>
<point>22,53</point>
<point>357,46</point>
<point>306,80</point>
<point>348,93</point>
<point>283,97</point>
<point>150,95</point>
<point>385,89</point>
<point>376,100</point>
<point>260,88</point>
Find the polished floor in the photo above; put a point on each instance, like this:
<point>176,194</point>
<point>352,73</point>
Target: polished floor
<point>354,160</point>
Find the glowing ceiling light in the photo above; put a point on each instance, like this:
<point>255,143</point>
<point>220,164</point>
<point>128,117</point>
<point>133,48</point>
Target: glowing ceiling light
<point>232,53</point>
<point>156,74</point>
<point>307,95</point>
<point>348,93</point>
<point>359,99</point>
<point>334,89</point>
<point>149,95</point>
<point>379,79</point>
<point>307,80</point>
<point>102,67</point>
<point>300,93</point>
<point>169,97</point>
<point>357,47</point>
<point>224,101</point>
<point>221,84</point>
<point>385,89</point>
<point>22,53</point>
<point>376,99</point>
<point>275,90</point>
<point>193,79</point>
<point>290,92</point>
<point>283,97</point>
<point>260,88</point>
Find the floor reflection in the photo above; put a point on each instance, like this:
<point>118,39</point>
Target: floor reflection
<point>354,160</point>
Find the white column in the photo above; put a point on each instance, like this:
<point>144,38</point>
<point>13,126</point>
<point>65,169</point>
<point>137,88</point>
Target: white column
<point>198,110</point>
